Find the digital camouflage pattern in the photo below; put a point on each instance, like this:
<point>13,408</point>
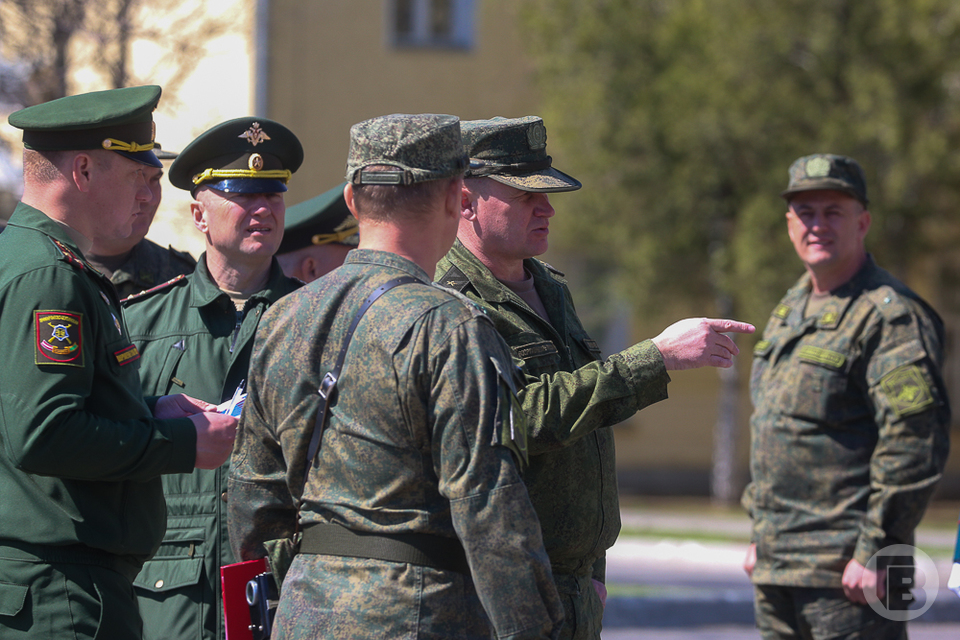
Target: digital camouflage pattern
<point>849,431</point>
<point>413,444</point>
<point>827,171</point>
<point>422,147</point>
<point>570,397</point>
<point>193,340</point>
<point>148,265</point>
<point>81,453</point>
<point>513,151</point>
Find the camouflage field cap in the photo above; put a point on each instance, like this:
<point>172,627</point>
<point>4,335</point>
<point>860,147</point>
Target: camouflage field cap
<point>421,147</point>
<point>119,120</point>
<point>243,155</point>
<point>827,171</point>
<point>323,219</point>
<point>513,151</point>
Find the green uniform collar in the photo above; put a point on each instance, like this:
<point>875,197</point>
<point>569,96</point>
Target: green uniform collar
<point>205,291</point>
<point>483,280</point>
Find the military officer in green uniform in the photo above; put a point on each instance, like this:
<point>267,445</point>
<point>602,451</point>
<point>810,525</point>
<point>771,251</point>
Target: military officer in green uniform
<point>850,424</point>
<point>415,521</point>
<point>571,396</point>
<point>81,450</point>
<point>135,264</point>
<point>195,334</point>
<point>317,236</point>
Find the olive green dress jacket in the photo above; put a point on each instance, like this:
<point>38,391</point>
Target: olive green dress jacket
<point>193,340</point>
<point>80,453</point>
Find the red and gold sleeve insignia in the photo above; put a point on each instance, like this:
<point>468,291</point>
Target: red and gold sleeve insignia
<point>127,355</point>
<point>59,338</point>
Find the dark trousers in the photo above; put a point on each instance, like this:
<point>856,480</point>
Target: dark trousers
<point>41,600</point>
<point>789,613</point>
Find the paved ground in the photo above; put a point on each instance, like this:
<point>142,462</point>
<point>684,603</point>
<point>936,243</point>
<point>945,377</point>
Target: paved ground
<point>670,578</point>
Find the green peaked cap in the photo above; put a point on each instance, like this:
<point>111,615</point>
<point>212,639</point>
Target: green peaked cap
<point>243,155</point>
<point>323,219</point>
<point>119,120</point>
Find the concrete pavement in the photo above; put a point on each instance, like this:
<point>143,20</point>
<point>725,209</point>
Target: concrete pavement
<point>670,579</point>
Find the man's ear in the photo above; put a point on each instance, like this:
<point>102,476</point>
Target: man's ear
<point>468,203</point>
<point>198,211</point>
<point>81,171</point>
<point>348,197</point>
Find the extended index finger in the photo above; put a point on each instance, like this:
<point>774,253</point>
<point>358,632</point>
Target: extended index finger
<point>725,325</point>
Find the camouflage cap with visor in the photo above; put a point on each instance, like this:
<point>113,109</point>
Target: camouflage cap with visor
<point>243,155</point>
<point>416,148</point>
<point>323,219</point>
<point>118,120</point>
<point>514,151</point>
<point>825,171</point>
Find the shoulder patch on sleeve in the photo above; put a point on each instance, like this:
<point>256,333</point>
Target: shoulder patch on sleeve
<point>906,390</point>
<point>136,297</point>
<point>454,279</point>
<point>59,338</point>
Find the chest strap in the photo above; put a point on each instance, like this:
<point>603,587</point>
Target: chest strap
<point>421,549</point>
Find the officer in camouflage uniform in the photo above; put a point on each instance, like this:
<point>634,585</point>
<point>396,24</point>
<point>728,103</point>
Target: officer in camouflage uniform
<point>195,335</point>
<point>81,450</point>
<point>317,236</point>
<point>850,427</point>
<point>571,396</point>
<point>134,263</point>
<point>420,441</point>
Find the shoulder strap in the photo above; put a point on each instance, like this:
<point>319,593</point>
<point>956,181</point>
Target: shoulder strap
<point>328,385</point>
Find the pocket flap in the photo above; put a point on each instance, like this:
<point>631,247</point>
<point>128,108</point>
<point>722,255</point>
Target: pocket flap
<point>166,575</point>
<point>12,597</point>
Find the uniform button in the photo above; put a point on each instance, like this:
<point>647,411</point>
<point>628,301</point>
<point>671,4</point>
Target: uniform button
<point>223,496</point>
<point>159,584</point>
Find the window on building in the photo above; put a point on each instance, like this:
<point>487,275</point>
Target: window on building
<point>432,23</point>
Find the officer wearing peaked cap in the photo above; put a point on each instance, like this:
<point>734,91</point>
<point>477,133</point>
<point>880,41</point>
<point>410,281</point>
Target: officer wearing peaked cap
<point>317,235</point>
<point>422,446</point>
<point>195,335</point>
<point>571,396</point>
<point>135,263</point>
<point>81,504</point>
<point>850,428</point>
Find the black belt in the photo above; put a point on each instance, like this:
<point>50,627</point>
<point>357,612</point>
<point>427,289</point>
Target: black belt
<point>421,549</point>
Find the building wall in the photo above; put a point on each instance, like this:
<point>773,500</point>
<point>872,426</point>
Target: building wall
<point>332,65</point>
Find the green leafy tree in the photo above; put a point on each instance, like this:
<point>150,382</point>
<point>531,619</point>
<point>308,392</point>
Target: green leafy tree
<point>681,118</point>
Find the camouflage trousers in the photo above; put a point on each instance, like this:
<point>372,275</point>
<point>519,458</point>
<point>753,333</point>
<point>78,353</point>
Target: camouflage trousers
<point>582,608</point>
<point>354,598</point>
<point>807,613</point>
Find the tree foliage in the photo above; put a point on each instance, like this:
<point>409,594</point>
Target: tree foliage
<point>681,118</point>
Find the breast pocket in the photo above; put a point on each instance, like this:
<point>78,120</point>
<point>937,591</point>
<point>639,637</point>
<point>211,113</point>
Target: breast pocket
<point>539,356</point>
<point>821,390</point>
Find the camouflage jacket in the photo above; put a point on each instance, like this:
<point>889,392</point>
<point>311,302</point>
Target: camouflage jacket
<point>413,444</point>
<point>149,265</point>
<point>80,453</point>
<point>849,430</point>
<point>192,340</point>
<point>571,397</point>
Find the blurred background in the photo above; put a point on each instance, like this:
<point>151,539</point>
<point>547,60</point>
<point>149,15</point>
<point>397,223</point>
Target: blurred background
<point>680,117</point>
